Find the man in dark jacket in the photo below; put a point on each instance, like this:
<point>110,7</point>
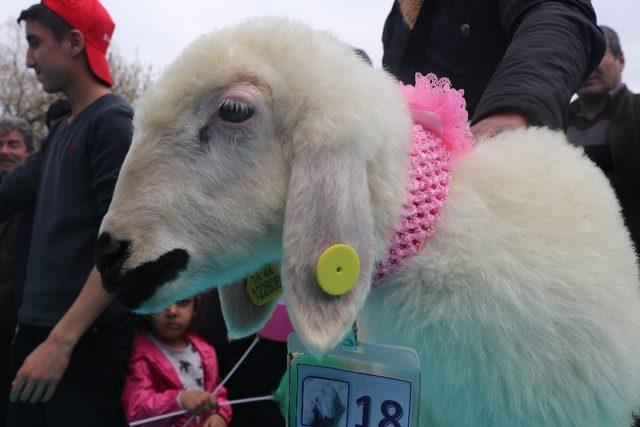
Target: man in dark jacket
<point>518,61</point>
<point>605,120</point>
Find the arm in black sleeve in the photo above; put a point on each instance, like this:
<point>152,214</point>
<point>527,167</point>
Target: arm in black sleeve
<point>19,188</point>
<point>554,45</point>
<point>112,137</point>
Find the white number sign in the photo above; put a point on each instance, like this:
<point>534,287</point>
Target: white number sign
<point>378,386</point>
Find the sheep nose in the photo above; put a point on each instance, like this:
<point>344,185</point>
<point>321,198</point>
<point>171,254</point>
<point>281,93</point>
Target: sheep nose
<point>110,255</point>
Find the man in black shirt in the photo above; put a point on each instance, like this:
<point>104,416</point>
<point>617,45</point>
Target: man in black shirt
<point>67,352</point>
<point>518,61</point>
<point>605,120</point>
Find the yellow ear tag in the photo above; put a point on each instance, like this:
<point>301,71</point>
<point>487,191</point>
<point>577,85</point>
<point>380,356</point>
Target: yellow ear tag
<point>338,269</point>
<point>264,285</point>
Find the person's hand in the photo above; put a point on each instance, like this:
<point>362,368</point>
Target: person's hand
<point>215,420</point>
<point>198,402</point>
<point>39,375</point>
<point>493,125</point>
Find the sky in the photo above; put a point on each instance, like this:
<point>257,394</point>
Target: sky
<point>155,31</point>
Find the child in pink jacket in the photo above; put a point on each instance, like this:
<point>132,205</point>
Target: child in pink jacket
<point>172,369</point>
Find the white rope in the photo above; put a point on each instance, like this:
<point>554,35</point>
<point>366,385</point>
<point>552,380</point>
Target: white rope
<point>159,417</point>
<point>247,400</point>
<point>231,372</point>
<point>237,365</point>
<point>227,403</point>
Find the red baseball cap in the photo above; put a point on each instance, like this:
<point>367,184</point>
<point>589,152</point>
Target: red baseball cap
<point>96,25</point>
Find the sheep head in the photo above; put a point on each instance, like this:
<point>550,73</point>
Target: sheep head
<point>268,142</point>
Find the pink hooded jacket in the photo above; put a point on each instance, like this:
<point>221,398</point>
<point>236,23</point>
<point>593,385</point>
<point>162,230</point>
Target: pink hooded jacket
<point>152,384</point>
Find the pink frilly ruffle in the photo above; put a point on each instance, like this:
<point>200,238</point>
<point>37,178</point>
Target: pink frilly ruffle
<point>441,109</point>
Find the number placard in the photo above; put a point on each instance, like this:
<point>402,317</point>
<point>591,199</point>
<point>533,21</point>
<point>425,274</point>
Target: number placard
<point>347,390</point>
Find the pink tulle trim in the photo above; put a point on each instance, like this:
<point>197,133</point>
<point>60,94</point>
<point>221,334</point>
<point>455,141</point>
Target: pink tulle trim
<point>433,95</point>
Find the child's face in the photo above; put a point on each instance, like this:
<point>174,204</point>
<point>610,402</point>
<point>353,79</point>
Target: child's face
<point>172,323</point>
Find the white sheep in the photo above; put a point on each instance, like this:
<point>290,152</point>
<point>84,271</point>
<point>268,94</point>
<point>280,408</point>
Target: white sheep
<point>270,142</point>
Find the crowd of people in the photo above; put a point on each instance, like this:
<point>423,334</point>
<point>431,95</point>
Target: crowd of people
<point>71,355</point>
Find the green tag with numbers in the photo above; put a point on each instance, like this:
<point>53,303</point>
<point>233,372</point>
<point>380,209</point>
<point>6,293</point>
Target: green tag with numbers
<point>264,285</point>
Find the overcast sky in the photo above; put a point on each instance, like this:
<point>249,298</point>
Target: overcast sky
<point>154,31</point>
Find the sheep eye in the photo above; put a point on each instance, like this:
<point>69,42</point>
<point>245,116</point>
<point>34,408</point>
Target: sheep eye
<point>235,111</point>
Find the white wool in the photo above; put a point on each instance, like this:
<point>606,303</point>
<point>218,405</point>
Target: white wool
<point>524,305</point>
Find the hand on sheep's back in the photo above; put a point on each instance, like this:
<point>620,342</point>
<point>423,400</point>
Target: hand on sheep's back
<point>494,124</point>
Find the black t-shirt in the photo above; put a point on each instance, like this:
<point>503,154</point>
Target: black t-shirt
<point>70,181</point>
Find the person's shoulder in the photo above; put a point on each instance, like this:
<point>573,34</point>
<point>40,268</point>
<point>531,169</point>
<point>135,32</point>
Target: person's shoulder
<point>113,105</point>
<point>636,102</point>
<point>112,116</point>
<point>143,347</point>
<point>106,112</point>
<point>627,97</point>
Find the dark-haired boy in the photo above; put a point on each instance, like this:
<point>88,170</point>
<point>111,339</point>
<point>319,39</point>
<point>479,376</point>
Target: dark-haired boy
<point>66,351</point>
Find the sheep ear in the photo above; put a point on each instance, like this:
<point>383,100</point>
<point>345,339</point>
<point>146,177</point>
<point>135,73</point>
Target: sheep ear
<point>328,203</point>
<point>242,316</point>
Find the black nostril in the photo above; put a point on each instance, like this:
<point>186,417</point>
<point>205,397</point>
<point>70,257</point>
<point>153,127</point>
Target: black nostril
<point>110,254</point>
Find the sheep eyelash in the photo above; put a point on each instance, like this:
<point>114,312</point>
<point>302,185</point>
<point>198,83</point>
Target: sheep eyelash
<point>235,111</point>
<point>235,104</point>
<point>204,134</point>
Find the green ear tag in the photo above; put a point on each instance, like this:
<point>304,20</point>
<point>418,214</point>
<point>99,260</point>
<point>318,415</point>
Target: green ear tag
<point>264,285</point>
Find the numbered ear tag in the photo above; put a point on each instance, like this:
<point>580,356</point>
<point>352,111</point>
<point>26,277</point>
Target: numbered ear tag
<point>264,285</point>
<point>375,386</point>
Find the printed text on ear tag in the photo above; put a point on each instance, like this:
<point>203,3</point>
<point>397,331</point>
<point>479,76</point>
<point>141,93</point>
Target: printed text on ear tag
<point>338,269</point>
<point>264,285</point>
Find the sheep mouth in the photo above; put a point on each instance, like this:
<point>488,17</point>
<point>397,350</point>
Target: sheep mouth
<point>142,282</point>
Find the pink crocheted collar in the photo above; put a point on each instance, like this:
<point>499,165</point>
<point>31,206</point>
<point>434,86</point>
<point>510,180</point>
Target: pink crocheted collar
<point>440,136</point>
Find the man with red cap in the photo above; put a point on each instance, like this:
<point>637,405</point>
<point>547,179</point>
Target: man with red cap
<point>68,356</point>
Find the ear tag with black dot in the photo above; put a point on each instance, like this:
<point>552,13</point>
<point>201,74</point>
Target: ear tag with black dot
<point>338,269</point>
<point>264,285</point>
